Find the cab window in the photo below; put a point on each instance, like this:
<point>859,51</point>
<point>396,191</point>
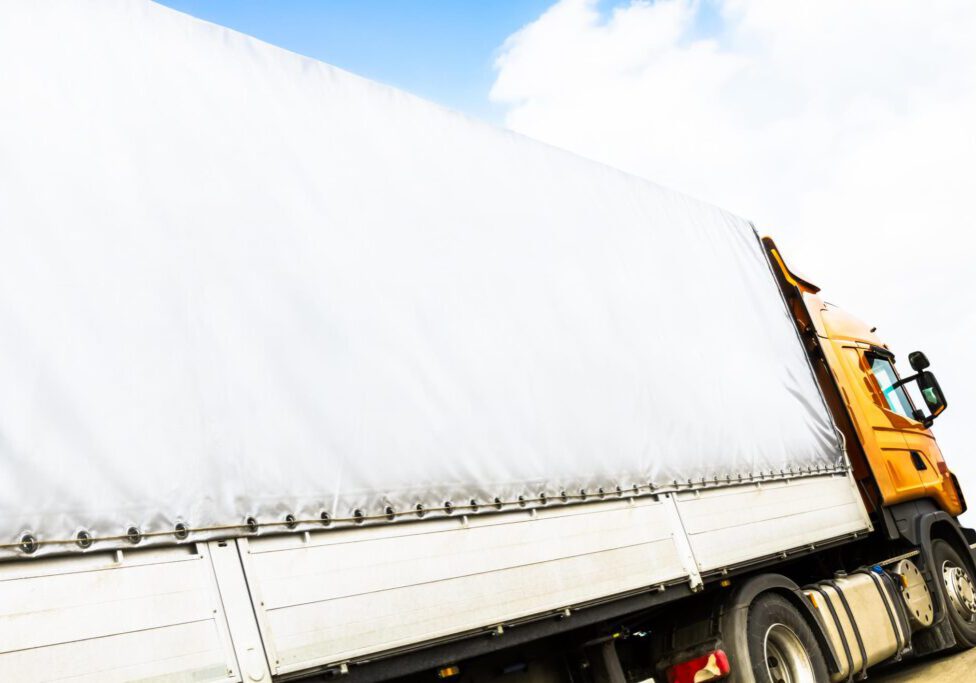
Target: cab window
<point>895,396</point>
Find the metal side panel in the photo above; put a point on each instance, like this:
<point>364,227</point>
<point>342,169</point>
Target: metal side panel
<point>141,615</point>
<point>739,524</point>
<point>323,598</point>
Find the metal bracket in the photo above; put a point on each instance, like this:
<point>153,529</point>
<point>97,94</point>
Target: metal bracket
<point>682,544</point>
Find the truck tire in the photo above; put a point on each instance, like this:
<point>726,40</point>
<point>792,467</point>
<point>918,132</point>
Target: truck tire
<point>782,647</point>
<point>958,589</point>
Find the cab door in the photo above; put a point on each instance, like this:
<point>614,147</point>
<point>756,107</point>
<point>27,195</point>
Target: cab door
<point>880,417</point>
<point>921,451</point>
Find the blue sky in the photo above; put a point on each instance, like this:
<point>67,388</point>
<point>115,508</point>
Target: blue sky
<point>442,50</point>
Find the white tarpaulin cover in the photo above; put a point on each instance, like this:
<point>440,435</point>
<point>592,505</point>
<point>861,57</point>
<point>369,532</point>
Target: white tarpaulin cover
<point>237,282</point>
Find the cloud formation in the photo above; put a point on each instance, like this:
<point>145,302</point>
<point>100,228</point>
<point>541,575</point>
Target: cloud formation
<point>847,130</point>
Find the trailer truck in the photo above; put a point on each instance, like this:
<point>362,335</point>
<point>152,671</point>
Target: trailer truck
<point>304,378</point>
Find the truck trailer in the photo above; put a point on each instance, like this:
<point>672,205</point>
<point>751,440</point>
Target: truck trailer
<point>305,378</point>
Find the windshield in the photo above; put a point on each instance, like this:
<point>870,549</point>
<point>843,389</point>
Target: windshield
<point>895,396</point>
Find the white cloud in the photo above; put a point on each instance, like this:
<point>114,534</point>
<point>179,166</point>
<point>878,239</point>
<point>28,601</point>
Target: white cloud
<point>847,130</point>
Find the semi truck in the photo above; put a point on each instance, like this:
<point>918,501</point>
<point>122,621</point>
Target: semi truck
<point>304,378</point>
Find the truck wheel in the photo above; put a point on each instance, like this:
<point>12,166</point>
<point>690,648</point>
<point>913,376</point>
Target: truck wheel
<point>782,648</point>
<point>958,592</point>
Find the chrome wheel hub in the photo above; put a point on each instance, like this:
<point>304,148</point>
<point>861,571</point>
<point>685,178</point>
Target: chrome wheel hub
<point>960,589</point>
<point>787,660</point>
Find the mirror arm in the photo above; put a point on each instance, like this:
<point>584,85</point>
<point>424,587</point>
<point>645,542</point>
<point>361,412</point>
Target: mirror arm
<point>905,380</point>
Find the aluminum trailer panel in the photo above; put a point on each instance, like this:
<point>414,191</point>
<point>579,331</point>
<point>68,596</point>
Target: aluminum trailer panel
<point>299,603</point>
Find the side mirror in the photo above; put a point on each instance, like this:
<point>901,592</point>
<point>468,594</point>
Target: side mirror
<point>928,388</point>
<point>918,361</point>
<point>932,394</point>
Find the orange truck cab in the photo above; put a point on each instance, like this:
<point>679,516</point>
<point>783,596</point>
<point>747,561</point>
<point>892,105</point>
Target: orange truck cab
<point>885,416</point>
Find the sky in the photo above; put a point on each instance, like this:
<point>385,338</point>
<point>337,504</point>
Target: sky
<point>846,130</point>
<point>442,50</point>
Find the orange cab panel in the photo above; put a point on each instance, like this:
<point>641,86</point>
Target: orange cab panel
<point>901,451</point>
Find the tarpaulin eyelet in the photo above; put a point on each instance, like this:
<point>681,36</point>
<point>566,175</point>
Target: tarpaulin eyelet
<point>133,534</point>
<point>252,525</point>
<point>84,539</point>
<point>181,531</point>
<point>28,543</point>
<point>290,521</point>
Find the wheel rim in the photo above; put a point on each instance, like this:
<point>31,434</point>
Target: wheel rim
<point>960,590</point>
<point>787,661</point>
